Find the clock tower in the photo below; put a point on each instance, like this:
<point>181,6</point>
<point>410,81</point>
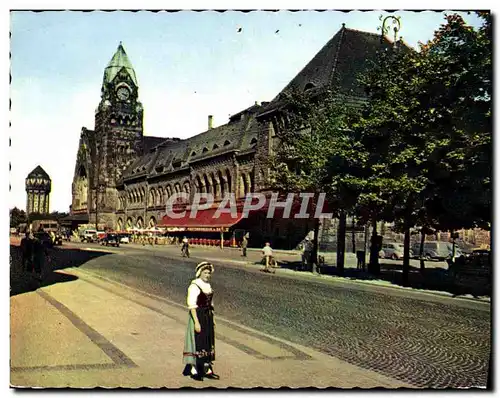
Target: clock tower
<point>118,133</point>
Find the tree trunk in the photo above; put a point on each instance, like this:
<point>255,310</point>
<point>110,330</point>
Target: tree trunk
<point>421,252</point>
<point>374,266</point>
<point>353,235</point>
<point>365,247</point>
<point>341,232</point>
<point>314,256</point>
<point>406,256</point>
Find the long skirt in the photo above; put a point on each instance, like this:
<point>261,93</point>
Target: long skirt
<point>199,348</point>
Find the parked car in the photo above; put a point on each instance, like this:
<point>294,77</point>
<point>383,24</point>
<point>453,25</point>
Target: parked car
<point>435,250</point>
<point>124,238</point>
<point>392,250</point>
<point>111,240</point>
<point>89,235</point>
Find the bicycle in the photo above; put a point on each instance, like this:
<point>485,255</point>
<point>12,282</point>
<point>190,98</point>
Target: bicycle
<point>273,263</point>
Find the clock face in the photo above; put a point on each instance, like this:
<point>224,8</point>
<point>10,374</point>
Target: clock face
<point>122,93</point>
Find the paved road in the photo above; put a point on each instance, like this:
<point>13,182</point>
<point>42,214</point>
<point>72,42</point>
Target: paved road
<point>427,341</point>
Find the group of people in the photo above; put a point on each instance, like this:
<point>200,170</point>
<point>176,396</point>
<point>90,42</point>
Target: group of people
<point>34,255</point>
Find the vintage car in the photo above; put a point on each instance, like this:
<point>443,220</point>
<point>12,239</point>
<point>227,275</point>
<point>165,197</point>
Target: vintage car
<point>110,240</point>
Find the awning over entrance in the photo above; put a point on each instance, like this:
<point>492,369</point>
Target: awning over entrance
<point>204,221</point>
<point>74,219</point>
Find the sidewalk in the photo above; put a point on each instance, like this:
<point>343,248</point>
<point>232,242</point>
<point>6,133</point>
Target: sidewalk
<point>91,331</point>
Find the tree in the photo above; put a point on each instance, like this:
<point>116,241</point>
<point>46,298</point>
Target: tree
<point>17,217</point>
<point>428,128</point>
<point>317,153</point>
<point>461,88</point>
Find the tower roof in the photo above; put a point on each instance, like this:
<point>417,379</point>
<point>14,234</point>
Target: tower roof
<point>38,172</point>
<point>119,60</point>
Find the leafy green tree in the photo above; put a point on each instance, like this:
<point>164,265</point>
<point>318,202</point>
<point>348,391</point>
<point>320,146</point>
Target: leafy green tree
<point>17,217</point>
<point>460,90</point>
<point>316,154</point>
<point>428,133</point>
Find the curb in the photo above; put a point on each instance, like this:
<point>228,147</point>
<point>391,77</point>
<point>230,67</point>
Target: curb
<point>348,280</point>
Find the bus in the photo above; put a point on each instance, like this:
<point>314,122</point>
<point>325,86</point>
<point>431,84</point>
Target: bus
<point>45,225</point>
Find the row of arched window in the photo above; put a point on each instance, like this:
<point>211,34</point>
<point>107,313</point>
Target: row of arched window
<point>138,223</point>
<point>218,183</point>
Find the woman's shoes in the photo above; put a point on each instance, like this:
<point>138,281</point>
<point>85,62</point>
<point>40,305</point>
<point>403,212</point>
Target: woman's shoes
<point>197,377</point>
<point>212,376</point>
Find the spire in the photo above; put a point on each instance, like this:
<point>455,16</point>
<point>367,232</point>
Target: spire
<point>119,60</point>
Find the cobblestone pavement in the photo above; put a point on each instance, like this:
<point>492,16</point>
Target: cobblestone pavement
<point>429,343</point>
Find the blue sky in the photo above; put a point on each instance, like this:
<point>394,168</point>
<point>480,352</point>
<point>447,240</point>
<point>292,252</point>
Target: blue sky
<point>188,65</point>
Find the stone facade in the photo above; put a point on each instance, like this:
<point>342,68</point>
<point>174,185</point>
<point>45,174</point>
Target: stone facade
<point>123,179</point>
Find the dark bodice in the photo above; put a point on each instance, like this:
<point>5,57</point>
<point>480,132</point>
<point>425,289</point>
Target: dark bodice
<point>204,300</point>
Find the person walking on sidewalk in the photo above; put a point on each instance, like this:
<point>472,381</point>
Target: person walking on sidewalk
<point>199,344</point>
<point>244,245</point>
<point>306,254</point>
<point>40,255</point>
<point>27,252</point>
<point>185,247</point>
<point>267,252</point>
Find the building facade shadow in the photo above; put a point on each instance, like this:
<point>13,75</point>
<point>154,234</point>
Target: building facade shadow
<point>22,281</point>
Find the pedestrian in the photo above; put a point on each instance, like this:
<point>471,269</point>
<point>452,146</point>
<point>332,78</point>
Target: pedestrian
<point>267,252</point>
<point>306,254</point>
<point>27,252</point>
<point>244,244</point>
<point>199,344</point>
<point>39,258</point>
<point>185,247</point>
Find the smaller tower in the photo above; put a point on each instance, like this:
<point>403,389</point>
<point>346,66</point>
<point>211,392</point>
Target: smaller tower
<point>38,185</point>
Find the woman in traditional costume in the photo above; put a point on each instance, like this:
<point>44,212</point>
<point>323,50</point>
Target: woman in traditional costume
<point>199,345</point>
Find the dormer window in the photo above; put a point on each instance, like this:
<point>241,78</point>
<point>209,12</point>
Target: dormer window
<point>193,153</point>
<point>205,149</point>
<point>215,146</point>
<point>226,143</point>
<point>309,86</point>
<point>253,141</point>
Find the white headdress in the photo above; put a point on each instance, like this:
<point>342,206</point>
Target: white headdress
<point>203,265</point>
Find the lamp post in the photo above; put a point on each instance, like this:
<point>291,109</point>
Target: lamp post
<point>396,21</point>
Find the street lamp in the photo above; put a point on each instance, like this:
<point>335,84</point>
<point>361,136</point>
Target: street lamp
<point>396,21</point>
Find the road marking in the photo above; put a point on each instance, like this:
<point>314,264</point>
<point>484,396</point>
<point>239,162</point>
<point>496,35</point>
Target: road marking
<point>117,356</point>
<point>283,344</point>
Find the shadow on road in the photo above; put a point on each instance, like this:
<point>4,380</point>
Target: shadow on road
<point>437,279</point>
<point>58,259</point>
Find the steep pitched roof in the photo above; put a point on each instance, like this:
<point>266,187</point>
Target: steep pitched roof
<point>120,60</point>
<point>149,142</point>
<point>239,135</point>
<point>340,61</point>
<point>38,172</point>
